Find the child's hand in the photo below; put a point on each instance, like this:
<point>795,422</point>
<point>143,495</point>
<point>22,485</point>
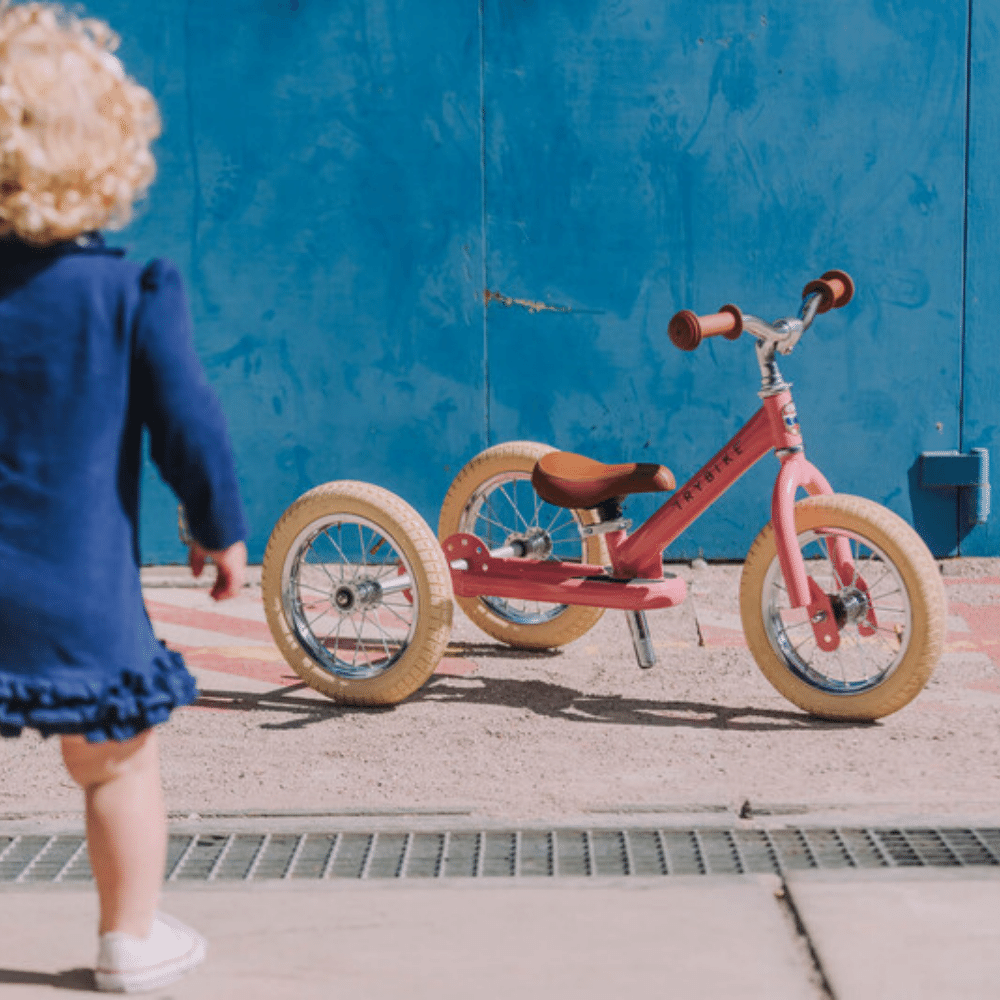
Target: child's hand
<point>230,567</point>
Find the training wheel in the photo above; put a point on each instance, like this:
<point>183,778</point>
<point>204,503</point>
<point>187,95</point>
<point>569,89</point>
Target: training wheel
<point>357,593</point>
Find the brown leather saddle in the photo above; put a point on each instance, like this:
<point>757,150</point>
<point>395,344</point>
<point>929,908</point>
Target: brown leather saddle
<point>567,480</point>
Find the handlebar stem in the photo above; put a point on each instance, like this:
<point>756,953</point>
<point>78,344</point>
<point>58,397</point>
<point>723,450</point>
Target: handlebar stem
<point>779,337</point>
<point>771,381</point>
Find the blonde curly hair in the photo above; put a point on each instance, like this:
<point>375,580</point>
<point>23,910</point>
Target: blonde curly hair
<point>75,131</point>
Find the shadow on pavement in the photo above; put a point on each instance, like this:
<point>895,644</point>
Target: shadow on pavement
<point>559,702</point>
<point>307,709</point>
<point>71,979</point>
<point>553,701</point>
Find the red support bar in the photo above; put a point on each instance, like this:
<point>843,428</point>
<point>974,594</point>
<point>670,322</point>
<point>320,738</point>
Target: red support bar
<point>555,582</point>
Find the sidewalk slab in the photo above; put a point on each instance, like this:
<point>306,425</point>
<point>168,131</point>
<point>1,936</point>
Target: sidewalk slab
<point>925,934</point>
<point>697,938</point>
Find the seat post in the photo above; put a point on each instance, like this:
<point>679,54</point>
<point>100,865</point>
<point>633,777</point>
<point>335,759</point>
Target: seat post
<point>641,641</point>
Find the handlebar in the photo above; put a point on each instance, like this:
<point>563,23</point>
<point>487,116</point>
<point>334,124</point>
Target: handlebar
<point>687,330</point>
<point>835,289</point>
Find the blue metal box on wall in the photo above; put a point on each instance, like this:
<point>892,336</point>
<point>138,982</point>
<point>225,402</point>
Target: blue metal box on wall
<point>410,231</point>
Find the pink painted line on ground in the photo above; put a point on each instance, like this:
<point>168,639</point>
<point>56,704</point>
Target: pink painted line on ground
<point>259,670</point>
<point>455,666</point>
<point>989,686</point>
<point>713,636</point>
<point>211,621</point>
<point>280,674</point>
<point>984,627</point>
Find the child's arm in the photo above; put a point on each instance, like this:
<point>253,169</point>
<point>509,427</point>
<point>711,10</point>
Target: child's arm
<point>189,441</point>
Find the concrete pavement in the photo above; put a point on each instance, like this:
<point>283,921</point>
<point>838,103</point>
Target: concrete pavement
<point>885,935</point>
<point>849,935</point>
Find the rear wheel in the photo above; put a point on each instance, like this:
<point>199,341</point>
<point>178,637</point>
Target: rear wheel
<point>874,671</point>
<point>492,498</point>
<point>357,593</point>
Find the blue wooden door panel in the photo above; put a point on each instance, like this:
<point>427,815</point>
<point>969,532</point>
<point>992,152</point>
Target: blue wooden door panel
<point>642,158</point>
<point>981,386</point>
<point>320,187</point>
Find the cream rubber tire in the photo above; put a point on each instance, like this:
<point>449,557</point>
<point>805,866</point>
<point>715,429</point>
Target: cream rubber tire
<point>330,582</point>
<point>873,672</point>
<point>492,498</point>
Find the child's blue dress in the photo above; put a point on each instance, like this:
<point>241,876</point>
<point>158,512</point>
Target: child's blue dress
<point>93,348</point>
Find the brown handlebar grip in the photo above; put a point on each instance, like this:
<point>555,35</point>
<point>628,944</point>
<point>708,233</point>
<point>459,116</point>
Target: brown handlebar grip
<point>687,330</point>
<point>835,289</point>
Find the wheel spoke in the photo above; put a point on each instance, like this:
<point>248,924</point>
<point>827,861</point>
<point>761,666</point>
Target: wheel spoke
<point>890,631</point>
<point>538,508</point>
<point>357,633</point>
<point>344,561</point>
<point>322,614</point>
<point>323,566</point>
<point>513,505</point>
<point>880,597</point>
<point>887,609</point>
<point>803,624</point>
<point>492,523</point>
<point>557,513</point>
<point>385,645</point>
<point>362,547</point>
<point>392,610</point>
<point>363,642</point>
<point>336,634</point>
<point>809,638</point>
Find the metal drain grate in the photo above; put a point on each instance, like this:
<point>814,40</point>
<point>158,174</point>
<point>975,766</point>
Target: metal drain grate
<point>242,857</point>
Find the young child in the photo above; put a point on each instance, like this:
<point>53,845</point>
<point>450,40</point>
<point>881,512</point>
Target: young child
<point>94,347</point>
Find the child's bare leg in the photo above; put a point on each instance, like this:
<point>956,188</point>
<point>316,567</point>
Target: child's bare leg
<point>126,826</point>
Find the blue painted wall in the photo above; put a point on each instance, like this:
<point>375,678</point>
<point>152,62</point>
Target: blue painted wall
<point>341,183</point>
<point>643,158</point>
<point>320,189</point>
<point>981,387</point>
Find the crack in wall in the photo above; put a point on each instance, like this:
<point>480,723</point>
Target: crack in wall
<point>534,307</point>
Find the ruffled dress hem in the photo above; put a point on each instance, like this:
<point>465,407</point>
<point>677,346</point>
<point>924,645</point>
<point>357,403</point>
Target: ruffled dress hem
<point>105,709</point>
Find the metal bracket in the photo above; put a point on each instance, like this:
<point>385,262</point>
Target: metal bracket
<point>968,472</point>
<point>603,527</point>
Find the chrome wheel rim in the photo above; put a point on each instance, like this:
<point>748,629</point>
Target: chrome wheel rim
<point>506,507</point>
<point>333,600</point>
<point>861,662</point>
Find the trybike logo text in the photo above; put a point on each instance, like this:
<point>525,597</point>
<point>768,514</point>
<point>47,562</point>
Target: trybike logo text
<point>706,477</point>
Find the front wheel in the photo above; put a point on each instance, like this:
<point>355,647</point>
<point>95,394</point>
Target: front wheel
<point>357,593</point>
<point>874,671</point>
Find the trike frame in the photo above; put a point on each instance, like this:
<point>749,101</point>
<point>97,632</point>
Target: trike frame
<point>635,579</point>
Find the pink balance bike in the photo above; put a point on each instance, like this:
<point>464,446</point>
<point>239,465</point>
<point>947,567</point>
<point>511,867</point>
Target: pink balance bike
<point>841,602</point>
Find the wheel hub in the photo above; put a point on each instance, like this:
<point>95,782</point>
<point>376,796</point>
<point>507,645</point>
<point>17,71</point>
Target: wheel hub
<point>534,543</point>
<point>850,607</point>
<point>359,595</point>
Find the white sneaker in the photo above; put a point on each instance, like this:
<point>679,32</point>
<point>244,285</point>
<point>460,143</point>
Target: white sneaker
<point>127,964</point>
